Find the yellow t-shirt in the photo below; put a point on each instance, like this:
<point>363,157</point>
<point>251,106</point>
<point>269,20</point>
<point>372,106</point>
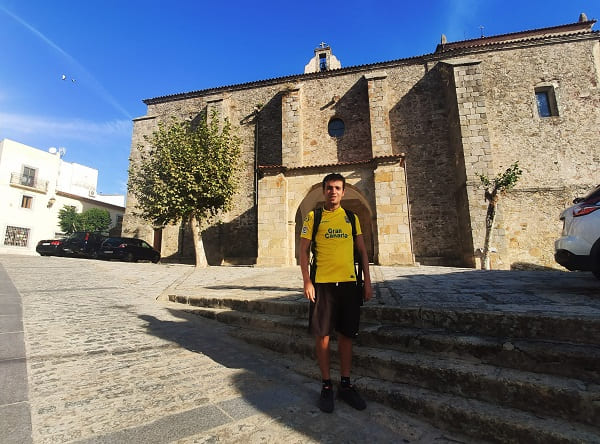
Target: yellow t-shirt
<point>334,245</point>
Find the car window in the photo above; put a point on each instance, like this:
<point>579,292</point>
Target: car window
<point>145,244</point>
<point>113,242</point>
<point>76,236</point>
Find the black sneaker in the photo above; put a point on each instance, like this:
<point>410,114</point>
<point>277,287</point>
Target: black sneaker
<point>326,400</point>
<point>351,396</point>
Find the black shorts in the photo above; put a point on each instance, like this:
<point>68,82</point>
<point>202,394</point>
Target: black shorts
<point>336,307</point>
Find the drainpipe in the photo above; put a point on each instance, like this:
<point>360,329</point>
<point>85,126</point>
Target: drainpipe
<point>256,111</point>
<point>412,247</point>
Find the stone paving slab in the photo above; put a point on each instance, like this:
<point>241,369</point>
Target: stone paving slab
<point>15,426</point>
<point>107,363</point>
<point>13,380</point>
<point>15,422</point>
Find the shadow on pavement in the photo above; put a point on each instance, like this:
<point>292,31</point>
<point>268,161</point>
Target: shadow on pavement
<point>497,287</point>
<point>253,288</point>
<point>266,386</point>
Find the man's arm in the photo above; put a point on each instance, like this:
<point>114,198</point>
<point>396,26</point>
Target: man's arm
<point>364,258</point>
<point>309,289</point>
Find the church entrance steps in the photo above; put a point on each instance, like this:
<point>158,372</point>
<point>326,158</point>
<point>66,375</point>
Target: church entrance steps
<point>503,388</point>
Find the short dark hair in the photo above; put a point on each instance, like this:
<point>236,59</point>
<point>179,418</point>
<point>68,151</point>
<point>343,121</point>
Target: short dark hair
<point>334,177</point>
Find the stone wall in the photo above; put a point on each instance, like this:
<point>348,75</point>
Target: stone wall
<point>343,97</point>
<point>472,149</point>
<point>448,118</point>
<point>419,113</point>
<point>556,154</point>
<point>233,239</point>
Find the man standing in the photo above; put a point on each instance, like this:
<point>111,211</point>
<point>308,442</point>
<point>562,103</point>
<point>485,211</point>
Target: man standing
<point>334,299</point>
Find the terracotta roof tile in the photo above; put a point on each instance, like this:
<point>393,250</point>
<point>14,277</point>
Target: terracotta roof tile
<point>440,53</point>
<point>572,28</point>
<point>390,158</point>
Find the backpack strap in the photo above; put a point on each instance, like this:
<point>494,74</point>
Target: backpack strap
<point>352,220</point>
<point>317,215</point>
<point>357,260</point>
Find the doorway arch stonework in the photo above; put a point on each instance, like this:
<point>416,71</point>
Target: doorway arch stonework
<point>375,191</point>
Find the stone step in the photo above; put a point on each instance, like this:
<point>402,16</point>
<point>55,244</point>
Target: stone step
<point>548,395</point>
<point>476,418</point>
<point>565,398</point>
<point>580,361</point>
<point>568,398</point>
<point>479,419</point>
<point>529,325</point>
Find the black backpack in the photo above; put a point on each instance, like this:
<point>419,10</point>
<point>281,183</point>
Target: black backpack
<point>318,213</point>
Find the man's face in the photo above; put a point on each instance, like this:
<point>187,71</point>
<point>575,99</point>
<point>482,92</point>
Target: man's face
<point>333,192</point>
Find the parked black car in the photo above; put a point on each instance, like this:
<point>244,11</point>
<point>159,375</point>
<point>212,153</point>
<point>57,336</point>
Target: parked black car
<point>83,243</point>
<point>129,249</point>
<point>50,247</point>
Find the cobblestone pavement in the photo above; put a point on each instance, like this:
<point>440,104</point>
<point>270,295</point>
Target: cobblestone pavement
<point>108,363</point>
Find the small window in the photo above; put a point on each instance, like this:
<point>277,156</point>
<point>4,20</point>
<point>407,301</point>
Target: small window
<point>546,101</point>
<point>26,201</point>
<point>28,176</point>
<point>336,128</point>
<point>323,62</point>
<point>16,236</point>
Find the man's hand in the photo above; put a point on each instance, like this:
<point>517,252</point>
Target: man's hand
<point>309,291</point>
<point>367,292</point>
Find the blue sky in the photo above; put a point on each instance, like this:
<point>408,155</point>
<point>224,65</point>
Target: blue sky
<point>116,53</point>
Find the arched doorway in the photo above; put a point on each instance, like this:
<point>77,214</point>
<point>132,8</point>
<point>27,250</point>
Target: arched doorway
<point>353,201</point>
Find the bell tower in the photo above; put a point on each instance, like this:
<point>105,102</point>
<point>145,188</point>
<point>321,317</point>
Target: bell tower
<point>323,60</point>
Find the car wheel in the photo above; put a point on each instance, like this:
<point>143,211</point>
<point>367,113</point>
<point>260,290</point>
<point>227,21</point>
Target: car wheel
<point>155,260</point>
<point>596,266</point>
<point>595,253</point>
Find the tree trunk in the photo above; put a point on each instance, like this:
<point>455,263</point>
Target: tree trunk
<point>198,245</point>
<point>489,226</point>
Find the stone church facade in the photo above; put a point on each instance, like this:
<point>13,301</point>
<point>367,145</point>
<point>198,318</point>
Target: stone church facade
<point>411,136</point>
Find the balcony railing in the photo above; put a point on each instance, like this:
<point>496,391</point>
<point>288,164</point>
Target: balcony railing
<point>31,183</point>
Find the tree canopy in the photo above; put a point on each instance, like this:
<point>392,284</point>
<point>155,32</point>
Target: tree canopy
<point>501,183</point>
<point>186,172</point>
<point>68,219</point>
<point>94,219</point>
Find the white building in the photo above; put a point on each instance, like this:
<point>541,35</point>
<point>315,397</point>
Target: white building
<point>34,186</point>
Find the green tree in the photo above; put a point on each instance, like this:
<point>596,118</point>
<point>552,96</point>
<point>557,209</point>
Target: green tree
<point>68,219</point>
<point>188,174</point>
<point>95,219</point>
<point>493,189</point>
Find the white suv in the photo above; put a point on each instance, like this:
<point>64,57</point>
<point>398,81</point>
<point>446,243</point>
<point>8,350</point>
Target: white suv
<point>579,246</point>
